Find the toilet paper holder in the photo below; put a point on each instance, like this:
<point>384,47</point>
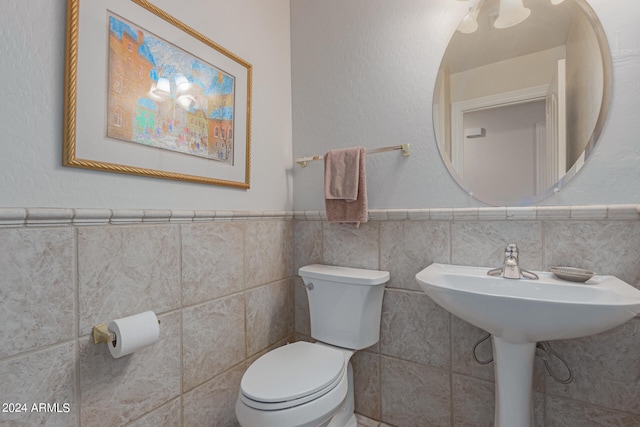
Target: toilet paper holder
<point>102,334</point>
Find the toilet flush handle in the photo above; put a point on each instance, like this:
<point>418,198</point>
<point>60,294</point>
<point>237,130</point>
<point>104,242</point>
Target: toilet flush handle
<point>309,286</point>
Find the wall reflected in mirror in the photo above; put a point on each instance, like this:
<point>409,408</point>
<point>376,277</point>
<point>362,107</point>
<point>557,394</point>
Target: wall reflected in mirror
<point>518,108</point>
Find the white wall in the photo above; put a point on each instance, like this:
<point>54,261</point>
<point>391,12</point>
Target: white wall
<point>32,34</point>
<point>363,73</point>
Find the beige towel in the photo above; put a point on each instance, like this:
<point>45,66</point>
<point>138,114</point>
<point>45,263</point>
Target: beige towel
<point>346,186</point>
<point>342,174</point>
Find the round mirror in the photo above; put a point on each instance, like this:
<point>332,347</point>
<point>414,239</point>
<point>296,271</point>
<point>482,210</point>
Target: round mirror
<point>521,97</point>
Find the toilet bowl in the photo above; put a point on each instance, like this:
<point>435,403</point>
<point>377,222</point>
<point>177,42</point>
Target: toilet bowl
<point>311,385</point>
<point>297,385</point>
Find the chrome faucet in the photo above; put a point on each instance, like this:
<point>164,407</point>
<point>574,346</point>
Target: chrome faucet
<point>511,268</point>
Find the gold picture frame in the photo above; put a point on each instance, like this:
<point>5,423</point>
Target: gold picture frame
<point>204,137</point>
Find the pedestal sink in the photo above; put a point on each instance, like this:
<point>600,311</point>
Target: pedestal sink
<point>519,313</point>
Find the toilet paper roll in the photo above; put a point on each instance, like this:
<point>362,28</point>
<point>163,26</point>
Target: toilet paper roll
<point>133,333</point>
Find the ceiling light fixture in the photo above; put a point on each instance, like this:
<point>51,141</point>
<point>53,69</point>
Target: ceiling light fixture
<point>511,12</point>
<point>469,23</point>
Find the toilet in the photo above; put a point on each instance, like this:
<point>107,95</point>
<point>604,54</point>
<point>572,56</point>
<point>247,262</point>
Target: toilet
<point>311,385</point>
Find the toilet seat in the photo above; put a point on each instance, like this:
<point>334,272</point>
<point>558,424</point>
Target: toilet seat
<point>292,375</point>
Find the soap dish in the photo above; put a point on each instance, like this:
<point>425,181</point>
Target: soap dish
<point>572,274</point>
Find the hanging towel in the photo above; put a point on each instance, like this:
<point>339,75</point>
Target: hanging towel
<point>345,186</point>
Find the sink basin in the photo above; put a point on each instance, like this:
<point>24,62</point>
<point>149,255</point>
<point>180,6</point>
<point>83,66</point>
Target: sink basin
<point>524,310</point>
<point>519,313</point>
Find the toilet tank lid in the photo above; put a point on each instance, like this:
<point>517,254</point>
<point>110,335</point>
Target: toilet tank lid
<point>334,273</point>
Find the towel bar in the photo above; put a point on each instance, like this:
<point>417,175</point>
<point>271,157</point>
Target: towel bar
<point>406,152</point>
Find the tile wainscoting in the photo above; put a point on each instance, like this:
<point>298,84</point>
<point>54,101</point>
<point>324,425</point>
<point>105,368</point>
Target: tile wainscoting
<point>222,283</point>
<point>422,372</point>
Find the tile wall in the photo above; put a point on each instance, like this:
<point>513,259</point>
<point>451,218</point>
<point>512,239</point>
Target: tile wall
<point>220,282</point>
<point>422,372</point>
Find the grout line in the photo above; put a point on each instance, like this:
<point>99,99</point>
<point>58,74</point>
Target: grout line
<point>245,289</point>
<point>76,334</point>
<point>45,347</point>
<point>181,320</point>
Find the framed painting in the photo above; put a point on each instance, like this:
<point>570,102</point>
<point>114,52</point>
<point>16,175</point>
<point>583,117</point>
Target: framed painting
<point>146,94</point>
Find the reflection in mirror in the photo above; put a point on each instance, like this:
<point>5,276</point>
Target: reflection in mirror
<point>521,97</point>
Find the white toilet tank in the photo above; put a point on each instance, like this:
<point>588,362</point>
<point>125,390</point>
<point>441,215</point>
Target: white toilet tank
<point>345,304</point>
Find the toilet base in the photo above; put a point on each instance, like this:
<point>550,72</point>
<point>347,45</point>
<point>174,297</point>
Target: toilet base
<point>351,422</point>
<point>346,416</point>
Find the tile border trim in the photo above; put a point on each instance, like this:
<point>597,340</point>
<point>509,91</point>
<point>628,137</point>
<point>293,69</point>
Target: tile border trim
<point>529,213</point>
<point>47,217</point>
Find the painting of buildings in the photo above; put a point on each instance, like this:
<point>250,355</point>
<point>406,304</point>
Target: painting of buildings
<point>163,97</point>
